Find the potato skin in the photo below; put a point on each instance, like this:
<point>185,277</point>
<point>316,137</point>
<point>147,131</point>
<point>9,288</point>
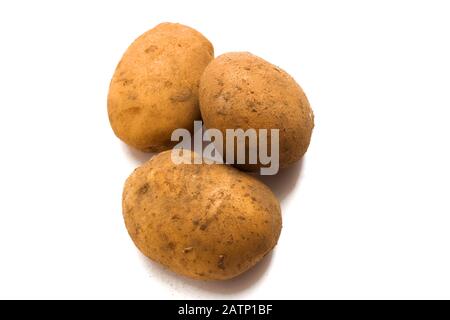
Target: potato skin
<point>154,89</point>
<point>241,90</point>
<point>202,221</point>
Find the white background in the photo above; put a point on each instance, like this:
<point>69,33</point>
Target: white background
<point>366,215</point>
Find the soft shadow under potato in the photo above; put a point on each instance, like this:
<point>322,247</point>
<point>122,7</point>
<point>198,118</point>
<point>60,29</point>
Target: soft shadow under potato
<point>232,286</point>
<point>138,157</point>
<point>284,181</point>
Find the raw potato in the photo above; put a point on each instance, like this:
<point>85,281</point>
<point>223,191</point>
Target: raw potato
<point>154,89</point>
<point>241,90</point>
<point>202,221</point>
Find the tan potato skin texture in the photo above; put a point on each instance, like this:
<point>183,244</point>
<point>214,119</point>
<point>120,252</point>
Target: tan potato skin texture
<point>241,90</point>
<point>202,221</point>
<point>154,89</point>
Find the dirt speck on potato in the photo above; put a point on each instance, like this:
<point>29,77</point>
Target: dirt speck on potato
<point>181,96</point>
<point>221,262</point>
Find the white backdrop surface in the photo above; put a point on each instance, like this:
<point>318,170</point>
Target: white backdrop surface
<point>366,214</point>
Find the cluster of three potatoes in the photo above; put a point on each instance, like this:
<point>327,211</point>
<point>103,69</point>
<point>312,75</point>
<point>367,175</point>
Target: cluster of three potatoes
<point>202,221</point>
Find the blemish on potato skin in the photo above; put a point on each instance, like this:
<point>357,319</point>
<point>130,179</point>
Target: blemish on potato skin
<point>221,262</point>
<point>125,82</point>
<point>277,69</point>
<point>162,235</point>
<point>218,93</point>
<point>204,226</point>
<point>187,249</point>
<point>251,105</point>
<point>152,48</point>
<point>182,95</point>
<point>137,230</point>
<point>226,96</point>
<point>143,189</point>
<point>128,210</point>
<point>132,96</point>
<point>132,111</point>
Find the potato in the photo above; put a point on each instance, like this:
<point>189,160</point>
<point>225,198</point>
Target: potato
<point>240,90</point>
<point>201,221</point>
<point>154,89</point>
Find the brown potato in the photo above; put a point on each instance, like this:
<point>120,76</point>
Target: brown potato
<point>154,89</point>
<point>240,90</point>
<point>201,221</point>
